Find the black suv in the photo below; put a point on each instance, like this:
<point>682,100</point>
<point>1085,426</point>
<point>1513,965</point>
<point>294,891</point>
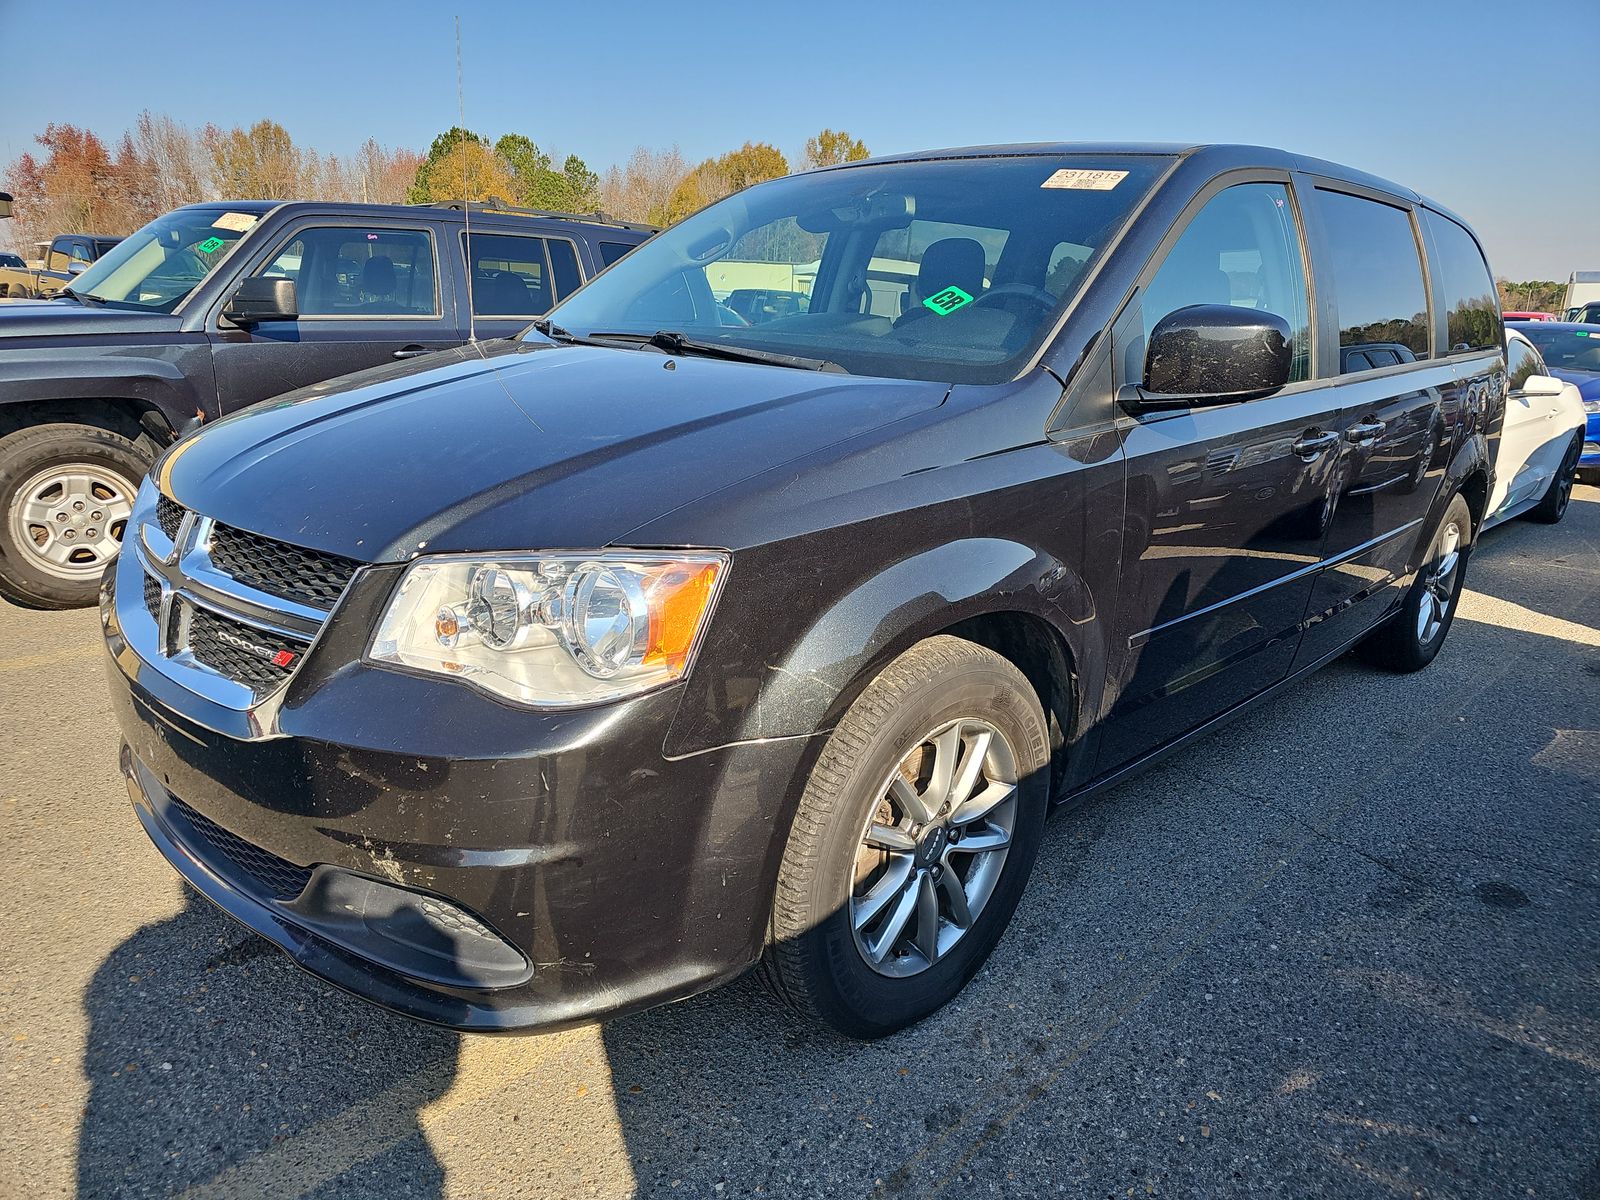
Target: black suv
<point>216,306</point>
<point>518,689</point>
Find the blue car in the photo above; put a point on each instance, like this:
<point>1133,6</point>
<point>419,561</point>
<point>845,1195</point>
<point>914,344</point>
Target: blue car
<point>1571,351</point>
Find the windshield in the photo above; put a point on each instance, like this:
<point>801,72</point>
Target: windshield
<point>158,266</point>
<point>951,270</point>
<point>1566,349</point>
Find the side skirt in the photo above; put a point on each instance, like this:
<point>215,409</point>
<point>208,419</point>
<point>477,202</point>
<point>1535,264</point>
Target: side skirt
<point>1076,797</point>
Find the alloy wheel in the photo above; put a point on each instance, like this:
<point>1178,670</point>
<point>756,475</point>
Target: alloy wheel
<point>1438,583</point>
<point>934,847</point>
<point>69,518</point>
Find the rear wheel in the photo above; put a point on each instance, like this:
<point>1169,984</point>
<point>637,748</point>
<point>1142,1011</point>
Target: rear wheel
<point>66,492</point>
<point>916,834</point>
<point>1553,506</point>
<point>1410,640</point>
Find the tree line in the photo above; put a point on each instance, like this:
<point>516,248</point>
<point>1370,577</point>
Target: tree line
<point>79,182</point>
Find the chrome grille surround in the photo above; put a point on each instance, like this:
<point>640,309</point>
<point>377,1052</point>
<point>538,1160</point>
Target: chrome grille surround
<point>213,633</point>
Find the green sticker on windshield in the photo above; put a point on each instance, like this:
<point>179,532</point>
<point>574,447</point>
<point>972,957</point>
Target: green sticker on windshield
<point>946,302</point>
<point>210,245</point>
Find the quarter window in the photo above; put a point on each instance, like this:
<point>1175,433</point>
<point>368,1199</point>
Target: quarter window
<point>611,251</point>
<point>510,276</point>
<point>1471,301</point>
<point>1241,249</point>
<point>1377,278</point>
<point>348,271</point>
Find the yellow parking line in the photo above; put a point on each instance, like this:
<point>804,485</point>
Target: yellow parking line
<point>30,662</point>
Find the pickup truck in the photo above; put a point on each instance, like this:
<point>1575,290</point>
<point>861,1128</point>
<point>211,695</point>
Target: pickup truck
<point>217,306</point>
<point>68,256</point>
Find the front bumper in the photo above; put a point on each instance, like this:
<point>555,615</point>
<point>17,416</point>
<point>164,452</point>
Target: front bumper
<point>1590,459</point>
<point>450,857</point>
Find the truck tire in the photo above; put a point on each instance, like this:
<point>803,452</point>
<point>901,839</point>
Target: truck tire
<point>908,855</point>
<point>66,493</point>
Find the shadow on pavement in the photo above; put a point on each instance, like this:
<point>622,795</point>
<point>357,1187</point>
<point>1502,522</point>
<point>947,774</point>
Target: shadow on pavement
<point>207,1048</point>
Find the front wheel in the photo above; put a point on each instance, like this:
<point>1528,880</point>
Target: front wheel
<point>916,833</point>
<point>1411,638</point>
<point>66,493</point>
<point>1553,506</point>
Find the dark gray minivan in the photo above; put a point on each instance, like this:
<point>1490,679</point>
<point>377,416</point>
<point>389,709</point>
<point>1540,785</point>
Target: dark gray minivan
<point>543,680</point>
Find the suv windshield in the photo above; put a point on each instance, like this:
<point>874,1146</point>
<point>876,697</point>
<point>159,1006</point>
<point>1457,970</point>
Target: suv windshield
<point>159,265</point>
<point>951,270</point>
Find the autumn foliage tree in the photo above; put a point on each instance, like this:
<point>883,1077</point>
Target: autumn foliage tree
<point>754,162</point>
<point>832,147</point>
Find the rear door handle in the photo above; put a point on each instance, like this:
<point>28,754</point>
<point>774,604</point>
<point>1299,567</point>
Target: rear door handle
<point>1364,433</point>
<point>1312,444</point>
<point>412,352</point>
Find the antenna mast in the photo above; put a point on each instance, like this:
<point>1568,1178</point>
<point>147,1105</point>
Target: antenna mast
<point>466,190</point>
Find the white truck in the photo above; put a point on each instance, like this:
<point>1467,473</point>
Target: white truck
<point>1582,289</point>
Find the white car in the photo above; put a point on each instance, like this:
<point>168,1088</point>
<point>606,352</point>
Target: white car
<point>1541,440</point>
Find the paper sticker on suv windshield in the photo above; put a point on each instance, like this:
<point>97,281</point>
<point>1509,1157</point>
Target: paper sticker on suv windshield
<point>1087,181</point>
<point>236,221</point>
<point>210,245</point>
<point>947,301</point>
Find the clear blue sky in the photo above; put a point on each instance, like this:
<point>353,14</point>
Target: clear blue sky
<point>1459,99</point>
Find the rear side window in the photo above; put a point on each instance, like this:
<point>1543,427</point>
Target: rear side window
<point>1471,303</point>
<point>1241,249</point>
<point>611,251</point>
<point>1377,277</point>
<point>564,265</point>
<point>510,277</point>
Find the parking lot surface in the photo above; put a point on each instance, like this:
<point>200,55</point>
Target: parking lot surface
<point>1349,946</point>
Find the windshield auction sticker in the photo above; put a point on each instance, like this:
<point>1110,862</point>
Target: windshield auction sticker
<point>238,222</point>
<point>947,301</point>
<point>1085,181</point>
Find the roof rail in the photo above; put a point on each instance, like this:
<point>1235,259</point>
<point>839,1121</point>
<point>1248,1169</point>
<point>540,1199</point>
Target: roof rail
<point>496,206</point>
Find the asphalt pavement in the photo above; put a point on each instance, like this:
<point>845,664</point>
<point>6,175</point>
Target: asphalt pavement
<point>1348,946</point>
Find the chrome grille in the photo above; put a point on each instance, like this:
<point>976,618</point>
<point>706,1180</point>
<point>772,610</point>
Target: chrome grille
<point>152,597</point>
<point>310,577</point>
<point>169,515</point>
<point>277,877</point>
<point>254,657</point>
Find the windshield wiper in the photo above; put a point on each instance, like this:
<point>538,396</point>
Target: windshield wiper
<point>673,342</point>
<point>557,334</point>
<point>83,298</point>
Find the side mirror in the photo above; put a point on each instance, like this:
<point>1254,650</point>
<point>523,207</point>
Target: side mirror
<point>1541,386</point>
<point>262,298</point>
<point>1215,354</point>
<point>77,267</point>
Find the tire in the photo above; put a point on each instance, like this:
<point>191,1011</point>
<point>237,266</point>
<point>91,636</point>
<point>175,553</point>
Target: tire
<point>822,933</point>
<point>1553,506</point>
<point>1411,638</point>
<point>53,548</point>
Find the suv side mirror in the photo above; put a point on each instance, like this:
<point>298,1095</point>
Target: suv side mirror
<point>1215,354</point>
<point>262,298</point>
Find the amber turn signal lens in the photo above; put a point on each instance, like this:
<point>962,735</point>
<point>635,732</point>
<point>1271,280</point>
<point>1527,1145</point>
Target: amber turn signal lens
<point>679,597</point>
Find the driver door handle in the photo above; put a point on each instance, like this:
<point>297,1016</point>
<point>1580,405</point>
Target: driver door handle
<point>1364,433</point>
<point>412,352</point>
<point>1311,444</point>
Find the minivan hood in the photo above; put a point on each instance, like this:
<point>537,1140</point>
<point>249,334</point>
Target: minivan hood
<point>507,446</point>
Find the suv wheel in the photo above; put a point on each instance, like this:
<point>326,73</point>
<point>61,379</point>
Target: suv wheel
<point>1409,640</point>
<point>916,833</point>
<point>1553,506</point>
<point>66,492</point>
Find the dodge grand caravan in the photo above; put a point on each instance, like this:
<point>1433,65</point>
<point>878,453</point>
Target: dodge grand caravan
<point>552,679</point>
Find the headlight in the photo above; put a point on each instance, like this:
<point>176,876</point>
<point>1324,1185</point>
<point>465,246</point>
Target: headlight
<point>1591,406</point>
<point>552,630</point>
